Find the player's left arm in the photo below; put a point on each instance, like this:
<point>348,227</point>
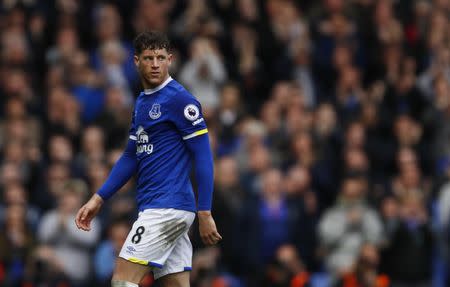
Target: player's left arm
<point>187,117</point>
<point>204,172</point>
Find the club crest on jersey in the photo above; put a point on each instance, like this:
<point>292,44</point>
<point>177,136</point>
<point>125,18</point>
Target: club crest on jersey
<point>191,112</point>
<point>155,111</point>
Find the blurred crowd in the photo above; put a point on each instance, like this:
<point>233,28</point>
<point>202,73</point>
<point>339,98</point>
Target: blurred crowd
<point>329,121</point>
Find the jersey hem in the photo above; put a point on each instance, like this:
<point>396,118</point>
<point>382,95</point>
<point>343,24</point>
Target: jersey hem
<point>168,207</point>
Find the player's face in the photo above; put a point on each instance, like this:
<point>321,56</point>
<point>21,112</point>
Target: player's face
<point>153,66</point>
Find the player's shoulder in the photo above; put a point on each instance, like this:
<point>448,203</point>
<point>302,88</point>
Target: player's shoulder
<point>178,94</point>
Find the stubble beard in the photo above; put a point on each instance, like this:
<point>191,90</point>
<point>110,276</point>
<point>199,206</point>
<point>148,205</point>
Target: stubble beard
<point>150,81</point>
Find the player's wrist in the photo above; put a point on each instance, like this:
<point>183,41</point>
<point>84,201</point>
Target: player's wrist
<point>96,198</point>
<point>204,213</point>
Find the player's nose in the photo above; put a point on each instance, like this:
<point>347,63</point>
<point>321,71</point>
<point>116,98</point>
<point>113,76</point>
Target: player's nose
<point>155,63</point>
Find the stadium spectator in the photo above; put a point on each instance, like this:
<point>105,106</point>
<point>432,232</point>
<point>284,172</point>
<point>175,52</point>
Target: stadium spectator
<point>204,73</point>
<point>115,117</point>
<point>63,112</point>
<point>16,245</point>
<point>365,271</point>
<point>15,194</point>
<point>229,114</point>
<point>287,269</point>
<point>268,222</point>
<point>113,55</point>
<point>407,259</point>
<point>92,146</point>
<point>299,191</point>
<point>108,249</point>
<point>60,239</point>
<point>346,226</point>
<point>228,204</point>
<point>86,85</point>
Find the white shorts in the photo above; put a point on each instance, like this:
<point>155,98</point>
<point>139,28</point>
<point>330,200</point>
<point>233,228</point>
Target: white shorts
<point>159,239</point>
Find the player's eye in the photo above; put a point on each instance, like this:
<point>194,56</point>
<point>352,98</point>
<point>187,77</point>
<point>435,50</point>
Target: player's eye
<point>161,58</point>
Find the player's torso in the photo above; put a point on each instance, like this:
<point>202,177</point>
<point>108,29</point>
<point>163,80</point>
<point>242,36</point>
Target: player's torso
<point>162,156</point>
<point>163,160</point>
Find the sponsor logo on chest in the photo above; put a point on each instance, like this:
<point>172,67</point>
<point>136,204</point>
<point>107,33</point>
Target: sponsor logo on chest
<point>143,146</point>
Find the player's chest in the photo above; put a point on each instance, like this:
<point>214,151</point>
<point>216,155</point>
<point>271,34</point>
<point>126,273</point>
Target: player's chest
<point>151,112</point>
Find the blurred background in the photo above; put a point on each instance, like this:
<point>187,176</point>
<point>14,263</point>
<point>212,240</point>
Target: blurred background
<point>329,121</point>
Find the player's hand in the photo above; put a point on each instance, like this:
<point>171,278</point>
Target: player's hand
<point>87,212</point>
<point>207,228</point>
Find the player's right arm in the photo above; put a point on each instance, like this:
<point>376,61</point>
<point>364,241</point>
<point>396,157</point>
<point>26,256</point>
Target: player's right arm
<point>122,171</point>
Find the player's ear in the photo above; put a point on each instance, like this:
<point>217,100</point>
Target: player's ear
<point>136,60</point>
<point>169,58</point>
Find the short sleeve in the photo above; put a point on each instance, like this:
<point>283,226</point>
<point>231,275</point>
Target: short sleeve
<point>132,131</point>
<point>186,114</point>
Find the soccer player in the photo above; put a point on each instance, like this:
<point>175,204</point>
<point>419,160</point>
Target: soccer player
<point>167,132</point>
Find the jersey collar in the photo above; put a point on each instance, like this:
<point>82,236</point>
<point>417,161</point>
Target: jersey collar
<point>154,90</point>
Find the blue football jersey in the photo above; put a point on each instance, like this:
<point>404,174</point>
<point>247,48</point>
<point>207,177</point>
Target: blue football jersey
<point>163,119</point>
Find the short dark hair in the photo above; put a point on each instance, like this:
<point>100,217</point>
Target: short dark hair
<point>150,40</point>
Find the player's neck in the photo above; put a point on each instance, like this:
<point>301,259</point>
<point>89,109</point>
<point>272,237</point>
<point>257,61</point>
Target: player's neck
<point>148,88</point>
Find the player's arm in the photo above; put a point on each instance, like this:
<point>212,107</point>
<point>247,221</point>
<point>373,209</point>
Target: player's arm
<point>122,171</point>
<point>186,114</point>
<point>204,173</point>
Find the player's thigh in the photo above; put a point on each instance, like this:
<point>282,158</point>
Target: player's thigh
<point>129,271</point>
<point>180,258</point>
<point>180,279</point>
